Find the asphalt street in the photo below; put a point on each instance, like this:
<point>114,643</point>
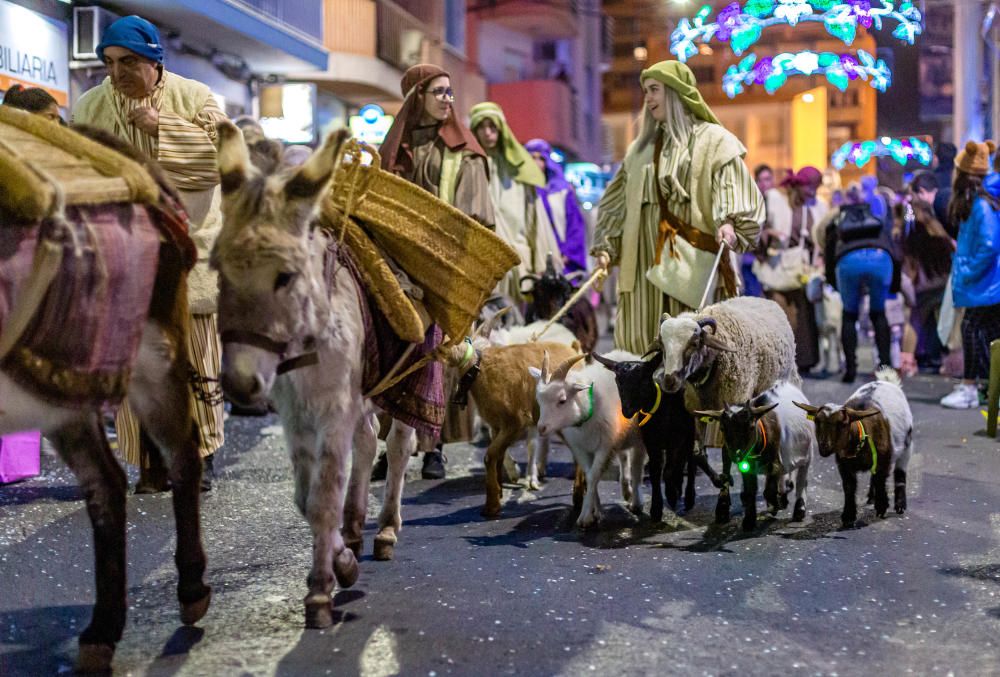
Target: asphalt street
<point>528,594</point>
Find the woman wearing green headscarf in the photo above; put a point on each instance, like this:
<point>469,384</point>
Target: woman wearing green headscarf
<point>682,189</point>
<point>514,176</point>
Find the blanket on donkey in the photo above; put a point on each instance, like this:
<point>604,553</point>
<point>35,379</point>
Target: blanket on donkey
<point>82,340</point>
<point>417,400</point>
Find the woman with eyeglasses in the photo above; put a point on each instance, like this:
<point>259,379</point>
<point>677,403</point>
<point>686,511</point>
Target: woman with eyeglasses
<point>428,146</point>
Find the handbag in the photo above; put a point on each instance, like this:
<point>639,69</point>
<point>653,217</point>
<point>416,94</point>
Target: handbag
<point>784,269</point>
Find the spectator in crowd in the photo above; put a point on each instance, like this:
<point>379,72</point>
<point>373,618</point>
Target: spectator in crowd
<point>975,270</point>
<point>172,120</point>
<point>34,100</point>
<point>859,255</point>
<point>927,251</point>
<point>788,255</point>
<point>943,171</point>
<point>763,176</point>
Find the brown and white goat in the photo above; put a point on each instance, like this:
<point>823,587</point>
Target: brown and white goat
<point>497,378</point>
<point>871,432</point>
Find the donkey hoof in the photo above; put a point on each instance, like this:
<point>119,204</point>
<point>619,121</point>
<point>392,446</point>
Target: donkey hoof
<point>355,546</point>
<point>192,612</point>
<point>385,548</point>
<point>346,569</point>
<point>94,658</point>
<point>319,614</point>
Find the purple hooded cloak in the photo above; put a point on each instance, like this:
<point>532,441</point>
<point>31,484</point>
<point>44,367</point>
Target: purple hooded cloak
<point>574,246</point>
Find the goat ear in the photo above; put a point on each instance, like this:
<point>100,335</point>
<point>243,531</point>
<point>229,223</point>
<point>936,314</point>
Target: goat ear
<point>858,414</point>
<point>712,342</point>
<point>708,415</point>
<point>233,159</point>
<point>762,409</point>
<point>536,373</point>
<point>310,180</point>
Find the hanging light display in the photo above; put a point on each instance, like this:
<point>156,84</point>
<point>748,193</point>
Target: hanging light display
<point>900,150</point>
<point>773,72</point>
<point>741,26</point>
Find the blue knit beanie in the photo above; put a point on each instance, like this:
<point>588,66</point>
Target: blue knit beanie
<point>134,33</point>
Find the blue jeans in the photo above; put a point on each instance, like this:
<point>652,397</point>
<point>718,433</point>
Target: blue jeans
<point>860,269</point>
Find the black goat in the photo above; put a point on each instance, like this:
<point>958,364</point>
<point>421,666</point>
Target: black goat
<point>668,431</point>
<point>549,292</point>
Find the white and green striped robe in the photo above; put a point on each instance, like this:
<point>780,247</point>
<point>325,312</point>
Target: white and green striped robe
<point>736,201</point>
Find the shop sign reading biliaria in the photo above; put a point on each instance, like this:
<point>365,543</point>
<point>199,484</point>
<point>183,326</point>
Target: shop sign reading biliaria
<point>34,51</point>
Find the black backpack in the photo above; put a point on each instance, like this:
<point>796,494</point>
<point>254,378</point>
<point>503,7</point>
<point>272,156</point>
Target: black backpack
<point>856,222</point>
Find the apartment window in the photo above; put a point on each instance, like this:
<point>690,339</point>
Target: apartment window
<point>704,74</point>
<point>454,24</point>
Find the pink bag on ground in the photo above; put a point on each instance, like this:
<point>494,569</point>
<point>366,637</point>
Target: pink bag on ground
<point>19,456</point>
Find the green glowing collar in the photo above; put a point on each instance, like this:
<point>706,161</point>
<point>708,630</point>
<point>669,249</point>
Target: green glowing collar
<point>743,459</point>
<point>590,409</point>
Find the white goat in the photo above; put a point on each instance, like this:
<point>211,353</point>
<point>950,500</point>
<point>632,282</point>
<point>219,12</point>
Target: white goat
<point>586,407</point>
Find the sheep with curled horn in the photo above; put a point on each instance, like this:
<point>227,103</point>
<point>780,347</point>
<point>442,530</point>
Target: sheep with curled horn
<point>731,351</point>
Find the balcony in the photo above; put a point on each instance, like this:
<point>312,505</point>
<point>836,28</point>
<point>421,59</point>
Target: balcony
<point>541,19</point>
<point>402,39</point>
<point>302,17</point>
<point>539,109</point>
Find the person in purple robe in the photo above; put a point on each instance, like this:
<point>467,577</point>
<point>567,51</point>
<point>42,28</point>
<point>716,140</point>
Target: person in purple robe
<point>561,207</point>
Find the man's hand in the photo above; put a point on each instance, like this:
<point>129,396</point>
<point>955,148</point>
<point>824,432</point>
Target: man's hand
<point>603,259</point>
<point>147,119</point>
<point>726,234</point>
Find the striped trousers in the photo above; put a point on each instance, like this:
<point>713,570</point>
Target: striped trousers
<point>205,351</point>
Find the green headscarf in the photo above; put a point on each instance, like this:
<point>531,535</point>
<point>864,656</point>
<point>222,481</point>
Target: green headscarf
<point>520,159</point>
<point>678,77</point>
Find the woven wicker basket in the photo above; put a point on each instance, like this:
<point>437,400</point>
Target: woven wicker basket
<point>35,151</point>
<point>453,258</point>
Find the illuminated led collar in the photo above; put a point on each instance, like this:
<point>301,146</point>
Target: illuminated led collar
<point>864,437</point>
<point>656,406</point>
<point>741,27</point>
<point>744,458</point>
<point>773,72</point>
<point>590,411</point>
<point>900,150</point>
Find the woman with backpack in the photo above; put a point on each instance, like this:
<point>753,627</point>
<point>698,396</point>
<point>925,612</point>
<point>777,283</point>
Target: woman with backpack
<point>860,256</point>
<point>975,271</point>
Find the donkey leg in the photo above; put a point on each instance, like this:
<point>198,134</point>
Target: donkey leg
<point>324,511</point>
<point>356,507</point>
<point>85,450</point>
<point>401,444</point>
<point>159,395</point>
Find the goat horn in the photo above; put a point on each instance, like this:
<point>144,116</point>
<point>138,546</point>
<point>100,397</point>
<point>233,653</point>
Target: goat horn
<point>712,342</point>
<point>545,367</point>
<point>762,409</point>
<point>710,413</point>
<point>562,371</point>
<point>856,414</point>
<point>664,317</point>
<point>577,274</point>
<point>808,408</point>
<point>487,327</point>
<point>610,364</point>
<point>708,322</point>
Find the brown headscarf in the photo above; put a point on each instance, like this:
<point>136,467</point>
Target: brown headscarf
<point>395,150</point>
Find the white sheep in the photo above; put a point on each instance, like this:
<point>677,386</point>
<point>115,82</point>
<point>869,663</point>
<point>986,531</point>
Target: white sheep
<point>586,407</point>
<point>731,351</point>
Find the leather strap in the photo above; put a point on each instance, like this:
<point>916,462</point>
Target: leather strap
<point>461,397</point>
<point>671,226</point>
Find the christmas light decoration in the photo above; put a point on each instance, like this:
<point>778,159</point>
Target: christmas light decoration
<point>773,72</point>
<point>741,27</point>
<point>900,150</point>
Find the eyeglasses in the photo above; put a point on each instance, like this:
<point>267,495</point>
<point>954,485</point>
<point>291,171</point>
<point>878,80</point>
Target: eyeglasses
<point>442,93</point>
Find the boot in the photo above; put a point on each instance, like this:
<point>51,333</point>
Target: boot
<point>883,338</point>
<point>207,472</point>
<point>153,477</point>
<point>433,468</point>
<point>849,339</point>
<point>381,468</point>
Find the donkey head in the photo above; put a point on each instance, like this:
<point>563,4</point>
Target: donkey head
<point>272,297</point>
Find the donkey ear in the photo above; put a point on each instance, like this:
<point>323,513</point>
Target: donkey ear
<point>310,180</point>
<point>233,159</point>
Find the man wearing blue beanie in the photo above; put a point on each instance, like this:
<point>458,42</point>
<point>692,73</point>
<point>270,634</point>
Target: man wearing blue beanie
<point>172,120</point>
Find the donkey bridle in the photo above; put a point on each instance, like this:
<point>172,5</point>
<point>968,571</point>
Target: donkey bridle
<point>279,348</point>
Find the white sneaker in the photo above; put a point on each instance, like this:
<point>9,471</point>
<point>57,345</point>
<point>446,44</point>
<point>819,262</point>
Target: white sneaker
<point>962,397</point>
